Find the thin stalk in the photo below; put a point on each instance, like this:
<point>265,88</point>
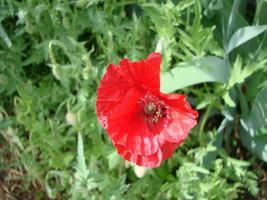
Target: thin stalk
<point>203,123</point>
<point>56,70</point>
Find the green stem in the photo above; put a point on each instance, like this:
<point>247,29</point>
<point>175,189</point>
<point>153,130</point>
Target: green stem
<point>203,123</point>
<point>51,49</point>
<point>55,66</point>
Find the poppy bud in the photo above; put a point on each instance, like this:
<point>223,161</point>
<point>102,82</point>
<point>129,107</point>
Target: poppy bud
<point>71,118</point>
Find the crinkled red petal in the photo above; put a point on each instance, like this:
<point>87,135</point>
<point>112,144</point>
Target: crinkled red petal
<point>150,161</point>
<point>179,103</point>
<point>112,90</point>
<point>179,128</point>
<point>132,132</point>
<point>167,148</point>
<point>145,73</point>
<point>183,118</point>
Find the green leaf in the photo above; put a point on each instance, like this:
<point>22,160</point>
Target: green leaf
<point>243,35</point>
<point>161,16</point>
<point>232,18</point>
<point>208,69</point>
<point>258,116</point>
<point>252,136</point>
<point>228,100</point>
<point>241,71</point>
<point>257,144</point>
<point>113,160</point>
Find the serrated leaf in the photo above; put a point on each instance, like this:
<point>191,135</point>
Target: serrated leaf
<point>113,160</point>
<point>195,168</point>
<point>208,69</point>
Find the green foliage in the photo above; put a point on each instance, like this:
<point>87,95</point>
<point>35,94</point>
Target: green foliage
<point>52,56</point>
<point>242,35</point>
<point>196,40</point>
<point>207,69</point>
<point>254,132</point>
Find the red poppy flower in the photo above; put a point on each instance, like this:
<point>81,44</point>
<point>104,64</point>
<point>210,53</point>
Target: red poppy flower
<point>145,125</point>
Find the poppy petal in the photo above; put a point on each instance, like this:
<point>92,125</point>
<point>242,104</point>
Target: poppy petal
<point>179,103</point>
<point>179,128</point>
<point>145,73</point>
<point>166,147</point>
<point>132,131</point>
<point>111,91</point>
<point>150,161</point>
<point>141,139</point>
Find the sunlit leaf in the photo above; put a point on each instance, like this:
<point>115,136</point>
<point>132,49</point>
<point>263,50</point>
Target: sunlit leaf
<point>208,69</point>
<point>243,35</point>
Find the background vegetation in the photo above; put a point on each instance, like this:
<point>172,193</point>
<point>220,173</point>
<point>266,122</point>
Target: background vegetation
<point>52,56</point>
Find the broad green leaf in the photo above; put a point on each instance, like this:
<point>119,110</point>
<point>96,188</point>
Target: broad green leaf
<point>258,115</point>
<point>252,136</point>
<point>257,144</point>
<point>208,69</point>
<point>243,35</point>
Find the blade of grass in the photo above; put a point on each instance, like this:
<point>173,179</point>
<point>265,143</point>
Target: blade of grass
<point>4,36</point>
<point>232,19</point>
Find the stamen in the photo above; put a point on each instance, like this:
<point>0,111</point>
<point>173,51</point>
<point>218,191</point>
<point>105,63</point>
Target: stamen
<point>154,109</point>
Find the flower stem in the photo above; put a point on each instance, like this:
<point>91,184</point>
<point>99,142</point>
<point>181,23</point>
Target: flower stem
<point>201,137</point>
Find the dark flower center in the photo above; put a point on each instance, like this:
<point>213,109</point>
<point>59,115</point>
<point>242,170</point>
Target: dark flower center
<point>154,108</point>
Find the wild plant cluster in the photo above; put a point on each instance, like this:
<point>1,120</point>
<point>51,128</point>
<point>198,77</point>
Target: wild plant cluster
<point>52,57</point>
